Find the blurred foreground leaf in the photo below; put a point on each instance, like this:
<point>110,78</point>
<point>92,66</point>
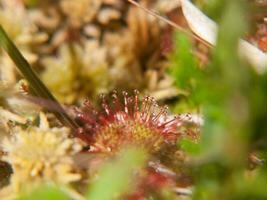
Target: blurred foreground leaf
<point>114,178</point>
<point>45,193</point>
<point>224,89</point>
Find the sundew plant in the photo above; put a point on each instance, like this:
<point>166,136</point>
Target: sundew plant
<point>133,100</point>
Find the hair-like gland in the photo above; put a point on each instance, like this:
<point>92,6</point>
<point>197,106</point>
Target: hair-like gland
<point>127,121</point>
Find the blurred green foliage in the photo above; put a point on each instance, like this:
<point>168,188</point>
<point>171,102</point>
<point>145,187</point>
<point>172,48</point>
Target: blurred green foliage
<point>232,99</point>
<point>45,193</point>
<point>114,178</point>
<point>185,70</point>
<point>190,146</point>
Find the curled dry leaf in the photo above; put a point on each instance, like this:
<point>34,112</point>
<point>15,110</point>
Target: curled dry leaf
<point>207,29</point>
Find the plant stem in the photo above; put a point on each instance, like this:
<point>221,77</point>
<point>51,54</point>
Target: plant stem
<point>36,84</point>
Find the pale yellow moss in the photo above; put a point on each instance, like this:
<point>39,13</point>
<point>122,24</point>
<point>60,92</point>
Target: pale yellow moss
<point>81,11</point>
<point>19,26</point>
<point>77,72</point>
<point>41,155</point>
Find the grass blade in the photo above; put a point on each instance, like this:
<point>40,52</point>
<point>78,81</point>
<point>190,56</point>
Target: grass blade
<point>36,84</point>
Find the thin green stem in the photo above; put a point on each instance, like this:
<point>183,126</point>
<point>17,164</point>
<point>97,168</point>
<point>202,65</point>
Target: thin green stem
<point>35,83</point>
